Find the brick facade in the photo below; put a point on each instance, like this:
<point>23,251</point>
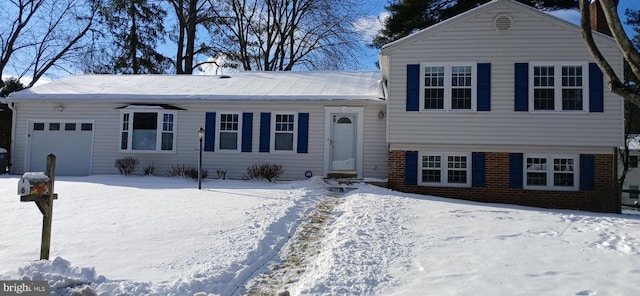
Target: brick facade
<point>496,190</point>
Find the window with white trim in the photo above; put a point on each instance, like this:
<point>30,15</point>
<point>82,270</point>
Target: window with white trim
<point>229,131</point>
<point>551,172</point>
<point>445,169</point>
<point>448,87</point>
<point>284,132</point>
<point>559,87</point>
<point>147,131</point>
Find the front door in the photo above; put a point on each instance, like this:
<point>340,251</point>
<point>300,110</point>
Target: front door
<point>343,142</point>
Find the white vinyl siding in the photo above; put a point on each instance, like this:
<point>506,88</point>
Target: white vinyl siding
<point>474,36</point>
<point>187,122</point>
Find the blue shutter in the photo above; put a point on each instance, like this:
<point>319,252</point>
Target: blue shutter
<point>303,132</point>
<point>209,131</point>
<point>411,168</point>
<point>587,172</point>
<point>478,169</point>
<point>521,93</point>
<point>516,166</point>
<point>484,86</point>
<point>265,131</point>
<point>413,87</point>
<point>596,89</point>
<point>247,131</point>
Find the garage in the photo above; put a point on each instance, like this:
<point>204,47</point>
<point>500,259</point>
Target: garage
<point>70,142</point>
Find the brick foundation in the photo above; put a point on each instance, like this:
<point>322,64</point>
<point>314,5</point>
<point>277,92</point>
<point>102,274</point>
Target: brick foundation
<point>496,190</point>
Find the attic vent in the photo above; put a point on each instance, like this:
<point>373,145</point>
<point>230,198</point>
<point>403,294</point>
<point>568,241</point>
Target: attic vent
<point>224,77</point>
<point>503,23</point>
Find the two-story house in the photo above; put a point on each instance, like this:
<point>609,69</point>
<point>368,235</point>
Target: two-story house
<point>500,104</point>
<point>503,104</point>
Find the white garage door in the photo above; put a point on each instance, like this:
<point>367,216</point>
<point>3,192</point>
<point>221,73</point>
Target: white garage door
<point>70,142</point>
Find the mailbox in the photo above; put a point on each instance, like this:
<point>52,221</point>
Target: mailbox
<point>33,183</point>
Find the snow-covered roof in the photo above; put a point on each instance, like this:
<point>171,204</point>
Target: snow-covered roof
<point>634,142</point>
<point>316,85</point>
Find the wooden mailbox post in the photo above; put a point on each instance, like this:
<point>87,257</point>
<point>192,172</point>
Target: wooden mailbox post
<point>38,187</point>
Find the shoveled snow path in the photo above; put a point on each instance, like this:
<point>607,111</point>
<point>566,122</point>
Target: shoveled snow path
<point>160,236</point>
<point>142,229</point>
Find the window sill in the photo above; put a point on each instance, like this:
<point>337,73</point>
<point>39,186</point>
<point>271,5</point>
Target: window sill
<point>445,185</point>
<point>148,151</point>
<point>539,188</point>
<point>449,111</point>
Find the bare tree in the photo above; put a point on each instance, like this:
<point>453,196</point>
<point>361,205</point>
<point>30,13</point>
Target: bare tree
<point>190,14</point>
<point>630,54</point>
<point>280,35</point>
<point>625,86</point>
<point>42,34</point>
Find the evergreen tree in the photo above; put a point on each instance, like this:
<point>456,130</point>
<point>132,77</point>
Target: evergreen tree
<point>12,84</point>
<point>135,27</point>
<point>408,16</point>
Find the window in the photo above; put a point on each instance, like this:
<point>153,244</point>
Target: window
<point>284,132</point>
<point>145,131</point>
<point>551,172</point>
<point>54,126</point>
<point>633,161</point>
<point>557,87</point>
<point>229,132</point>
<point>634,192</point>
<point>38,126</point>
<point>86,126</point>
<point>442,169</point>
<point>69,126</point>
<point>449,87</point>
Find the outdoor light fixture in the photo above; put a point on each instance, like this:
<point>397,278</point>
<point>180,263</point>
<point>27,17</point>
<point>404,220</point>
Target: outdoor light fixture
<point>200,137</point>
<point>59,108</point>
<point>381,114</point>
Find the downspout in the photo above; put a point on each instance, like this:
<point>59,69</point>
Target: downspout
<point>14,114</point>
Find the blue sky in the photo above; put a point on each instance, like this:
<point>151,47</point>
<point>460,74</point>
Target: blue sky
<point>375,11</point>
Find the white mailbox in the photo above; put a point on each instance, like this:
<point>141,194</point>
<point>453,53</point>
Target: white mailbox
<point>33,183</point>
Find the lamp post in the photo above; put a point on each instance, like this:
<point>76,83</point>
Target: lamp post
<point>200,136</point>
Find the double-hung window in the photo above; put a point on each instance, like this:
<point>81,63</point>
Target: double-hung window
<point>445,169</point>
<point>559,87</point>
<point>551,172</point>
<point>147,131</point>
<point>284,132</point>
<point>449,87</point>
<point>229,131</point>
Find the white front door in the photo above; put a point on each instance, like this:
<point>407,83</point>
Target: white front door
<point>343,142</point>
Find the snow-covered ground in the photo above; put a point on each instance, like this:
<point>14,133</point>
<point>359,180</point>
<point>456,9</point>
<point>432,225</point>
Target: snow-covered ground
<point>117,235</point>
